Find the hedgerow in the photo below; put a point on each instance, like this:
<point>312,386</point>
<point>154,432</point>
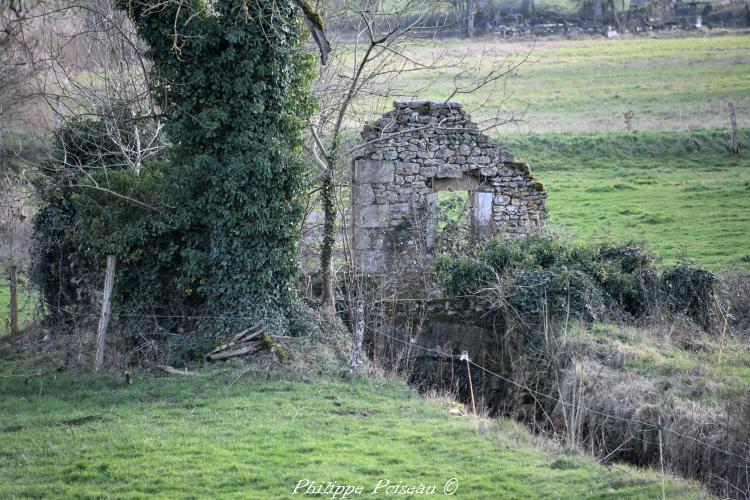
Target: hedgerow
<point>545,275</point>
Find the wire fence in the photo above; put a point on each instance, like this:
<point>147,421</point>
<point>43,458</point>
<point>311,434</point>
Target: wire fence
<point>565,403</point>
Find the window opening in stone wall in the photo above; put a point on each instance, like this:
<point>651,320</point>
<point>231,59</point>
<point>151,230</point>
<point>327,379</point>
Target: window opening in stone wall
<point>483,207</point>
<point>453,220</point>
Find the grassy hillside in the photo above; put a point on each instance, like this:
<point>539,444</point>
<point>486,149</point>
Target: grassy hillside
<point>705,369</point>
<point>683,193</point>
<point>216,436</point>
<point>587,85</point>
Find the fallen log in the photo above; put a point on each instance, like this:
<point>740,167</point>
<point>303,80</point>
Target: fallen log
<point>243,337</point>
<point>241,350</point>
<point>249,341</point>
<point>168,369</point>
<point>249,333</point>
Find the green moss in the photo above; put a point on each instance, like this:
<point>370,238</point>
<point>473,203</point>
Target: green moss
<point>270,344</point>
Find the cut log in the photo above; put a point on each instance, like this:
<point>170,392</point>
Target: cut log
<point>241,350</point>
<point>250,333</point>
<point>244,336</point>
<point>169,369</point>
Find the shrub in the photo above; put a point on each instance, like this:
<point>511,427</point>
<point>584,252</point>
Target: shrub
<point>210,228</point>
<point>585,281</point>
<point>690,291</point>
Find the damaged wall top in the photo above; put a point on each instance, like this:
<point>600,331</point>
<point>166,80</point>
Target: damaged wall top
<point>423,147</point>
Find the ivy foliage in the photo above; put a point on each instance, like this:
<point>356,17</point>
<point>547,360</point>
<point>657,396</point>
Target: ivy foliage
<point>550,275</point>
<point>79,220</point>
<point>234,88</point>
<point>208,229</point>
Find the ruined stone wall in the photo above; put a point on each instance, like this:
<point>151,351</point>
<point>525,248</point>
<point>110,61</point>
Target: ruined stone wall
<point>420,148</point>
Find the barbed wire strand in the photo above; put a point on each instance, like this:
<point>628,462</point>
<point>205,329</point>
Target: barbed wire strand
<point>570,405</point>
<point>447,356</point>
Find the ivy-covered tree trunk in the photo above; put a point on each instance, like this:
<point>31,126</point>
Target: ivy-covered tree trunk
<point>328,193</point>
<point>234,88</point>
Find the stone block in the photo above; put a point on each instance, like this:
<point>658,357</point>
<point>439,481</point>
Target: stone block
<point>374,216</point>
<point>365,195</point>
<point>373,171</point>
<point>449,171</point>
<point>371,261</point>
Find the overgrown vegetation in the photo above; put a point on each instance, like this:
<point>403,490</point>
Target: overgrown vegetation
<point>665,376</point>
<point>208,228</point>
<point>544,276</point>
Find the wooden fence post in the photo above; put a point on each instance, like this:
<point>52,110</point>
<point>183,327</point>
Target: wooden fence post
<point>359,333</point>
<point>13,301</point>
<point>734,146</point>
<point>101,333</point>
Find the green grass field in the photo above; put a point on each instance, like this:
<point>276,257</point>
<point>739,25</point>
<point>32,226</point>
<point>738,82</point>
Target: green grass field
<point>682,193</point>
<point>586,85</point>
<point>206,436</point>
<point>672,182</point>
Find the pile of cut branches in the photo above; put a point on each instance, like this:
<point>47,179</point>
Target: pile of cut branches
<point>248,341</point>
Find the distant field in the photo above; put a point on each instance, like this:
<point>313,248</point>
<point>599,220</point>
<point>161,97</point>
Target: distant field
<point>587,85</point>
<point>682,193</point>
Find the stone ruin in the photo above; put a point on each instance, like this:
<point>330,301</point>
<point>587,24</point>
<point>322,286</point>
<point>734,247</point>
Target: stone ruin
<point>421,148</point>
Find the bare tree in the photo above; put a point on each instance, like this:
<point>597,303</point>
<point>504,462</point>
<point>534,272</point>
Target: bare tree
<point>389,44</point>
<point>17,44</point>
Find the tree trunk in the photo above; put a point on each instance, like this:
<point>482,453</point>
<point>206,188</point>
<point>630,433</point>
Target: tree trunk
<point>527,8</point>
<point>101,333</point>
<point>470,18</point>
<point>597,10</point>
<point>611,4</point>
<point>13,301</point>
<point>461,15</point>
<point>734,145</point>
<point>328,194</point>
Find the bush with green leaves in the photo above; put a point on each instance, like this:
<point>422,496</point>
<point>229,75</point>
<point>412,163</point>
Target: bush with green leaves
<point>80,221</point>
<point>205,234</point>
<point>234,88</point>
<point>553,276</point>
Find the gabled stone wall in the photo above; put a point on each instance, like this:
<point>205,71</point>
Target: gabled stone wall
<point>423,147</point>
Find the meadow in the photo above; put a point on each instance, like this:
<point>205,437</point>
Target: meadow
<point>681,192</point>
<point>676,83</point>
<point>665,176</point>
<point>223,435</point>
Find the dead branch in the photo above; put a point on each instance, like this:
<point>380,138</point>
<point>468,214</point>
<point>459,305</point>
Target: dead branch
<point>174,371</point>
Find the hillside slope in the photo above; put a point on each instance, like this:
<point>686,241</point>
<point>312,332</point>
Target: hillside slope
<point>221,435</point>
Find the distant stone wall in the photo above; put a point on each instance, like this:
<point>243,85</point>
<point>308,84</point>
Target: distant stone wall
<point>421,148</point>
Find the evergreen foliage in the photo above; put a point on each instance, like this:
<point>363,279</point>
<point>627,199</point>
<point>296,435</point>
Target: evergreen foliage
<point>213,229</point>
<point>550,275</point>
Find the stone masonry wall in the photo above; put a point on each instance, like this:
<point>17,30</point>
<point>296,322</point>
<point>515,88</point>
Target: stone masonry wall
<point>420,148</point>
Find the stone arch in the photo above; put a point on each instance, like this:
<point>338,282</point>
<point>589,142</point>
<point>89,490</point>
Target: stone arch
<point>420,148</point>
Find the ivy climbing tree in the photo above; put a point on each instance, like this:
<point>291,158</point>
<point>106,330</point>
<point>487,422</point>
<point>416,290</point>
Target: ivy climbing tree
<point>234,89</point>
